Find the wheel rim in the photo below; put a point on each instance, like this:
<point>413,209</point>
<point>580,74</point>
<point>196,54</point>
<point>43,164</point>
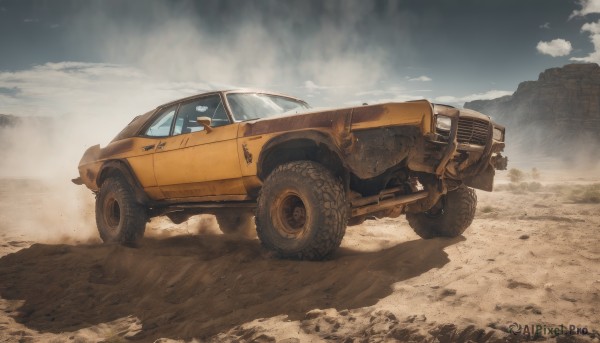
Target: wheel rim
<point>290,214</point>
<point>112,212</point>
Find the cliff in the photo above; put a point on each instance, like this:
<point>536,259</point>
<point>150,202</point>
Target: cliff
<point>556,114</point>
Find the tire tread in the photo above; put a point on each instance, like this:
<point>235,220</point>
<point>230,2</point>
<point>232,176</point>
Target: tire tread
<point>133,213</point>
<point>331,199</point>
<point>461,204</point>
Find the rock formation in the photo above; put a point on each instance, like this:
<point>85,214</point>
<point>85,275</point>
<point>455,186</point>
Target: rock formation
<point>558,113</point>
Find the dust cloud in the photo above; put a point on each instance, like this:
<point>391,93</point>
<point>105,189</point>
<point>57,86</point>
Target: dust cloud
<point>543,145</point>
<point>40,153</point>
<point>233,44</point>
<point>38,201</point>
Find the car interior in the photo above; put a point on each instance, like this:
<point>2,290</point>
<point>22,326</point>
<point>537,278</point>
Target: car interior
<point>211,107</point>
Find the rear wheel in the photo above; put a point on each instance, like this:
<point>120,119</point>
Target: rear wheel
<point>302,211</point>
<point>450,217</point>
<point>120,219</point>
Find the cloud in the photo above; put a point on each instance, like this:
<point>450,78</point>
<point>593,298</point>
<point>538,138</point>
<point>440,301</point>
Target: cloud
<point>11,92</point>
<point>587,7</point>
<point>555,48</point>
<point>593,28</point>
<point>422,78</point>
<point>545,25</point>
<point>492,94</point>
<point>594,31</point>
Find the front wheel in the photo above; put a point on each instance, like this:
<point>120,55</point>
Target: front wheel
<point>450,217</point>
<point>119,217</point>
<point>302,211</point>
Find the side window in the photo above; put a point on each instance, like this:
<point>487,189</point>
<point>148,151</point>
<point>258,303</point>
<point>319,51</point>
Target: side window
<point>162,125</point>
<point>219,117</point>
<point>210,106</point>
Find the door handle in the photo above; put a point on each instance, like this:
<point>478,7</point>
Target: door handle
<point>148,147</point>
<point>161,145</point>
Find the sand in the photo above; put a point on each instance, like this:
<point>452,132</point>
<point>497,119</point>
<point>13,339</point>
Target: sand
<point>530,257</point>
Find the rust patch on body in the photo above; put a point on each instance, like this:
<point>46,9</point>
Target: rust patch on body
<point>377,150</point>
<point>116,148</point>
<point>368,113</point>
<point>247,154</point>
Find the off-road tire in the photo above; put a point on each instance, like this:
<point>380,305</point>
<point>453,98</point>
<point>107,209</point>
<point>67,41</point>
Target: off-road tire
<point>295,188</point>
<point>119,217</point>
<point>456,215</point>
<point>237,223</point>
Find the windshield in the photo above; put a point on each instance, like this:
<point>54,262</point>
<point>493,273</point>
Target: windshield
<point>249,106</point>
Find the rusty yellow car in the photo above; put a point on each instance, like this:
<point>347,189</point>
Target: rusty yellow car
<point>297,176</point>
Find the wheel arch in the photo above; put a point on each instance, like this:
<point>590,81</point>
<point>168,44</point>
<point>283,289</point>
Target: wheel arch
<point>305,145</point>
<point>123,169</point>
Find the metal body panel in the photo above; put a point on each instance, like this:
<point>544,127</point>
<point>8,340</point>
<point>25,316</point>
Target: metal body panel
<point>188,162</point>
<point>414,113</point>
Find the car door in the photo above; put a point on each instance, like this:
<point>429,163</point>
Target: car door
<point>194,162</point>
<point>144,147</point>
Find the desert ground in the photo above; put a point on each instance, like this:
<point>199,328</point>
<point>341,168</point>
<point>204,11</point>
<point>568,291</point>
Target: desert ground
<point>530,258</point>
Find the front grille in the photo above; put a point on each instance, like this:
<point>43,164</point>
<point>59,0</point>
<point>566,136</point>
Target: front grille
<point>473,131</point>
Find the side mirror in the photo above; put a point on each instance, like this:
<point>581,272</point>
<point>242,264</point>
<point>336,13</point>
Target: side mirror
<point>205,122</point>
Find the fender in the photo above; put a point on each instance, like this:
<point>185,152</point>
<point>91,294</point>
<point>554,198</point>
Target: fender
<point>123,168</point>
<point>312,137</point>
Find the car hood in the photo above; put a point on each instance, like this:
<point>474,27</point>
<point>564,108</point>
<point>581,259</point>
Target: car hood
<point>464,112</point>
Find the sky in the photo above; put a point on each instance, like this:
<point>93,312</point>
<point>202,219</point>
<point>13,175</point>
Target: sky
<point>90,58</point>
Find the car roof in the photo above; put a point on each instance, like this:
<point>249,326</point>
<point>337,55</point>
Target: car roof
<point>227,91</point>
<point>139,121</point>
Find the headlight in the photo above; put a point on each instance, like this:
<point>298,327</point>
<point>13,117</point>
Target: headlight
<point>498,134</point>
<point>443,123</point>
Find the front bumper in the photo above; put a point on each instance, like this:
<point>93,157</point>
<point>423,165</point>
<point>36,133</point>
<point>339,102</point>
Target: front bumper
<point>473,164</point>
